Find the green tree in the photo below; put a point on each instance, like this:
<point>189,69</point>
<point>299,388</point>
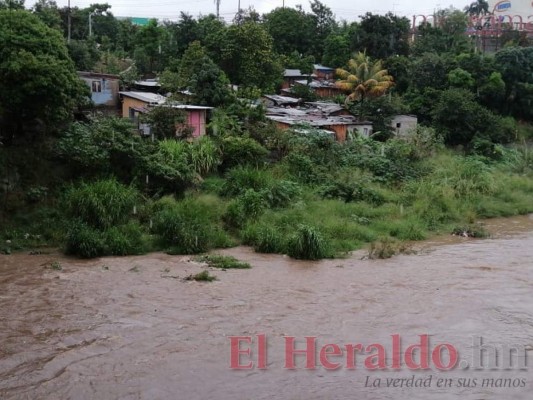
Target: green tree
<point>211,32</point>
<point>198,74</point>
<point>38,80</point>
<point>11,4</point>
<point>84,53</point>
<point>400,68</point>
<point>448,36</point>
<point>460,78</point>
<point>291,30</point>
<point>248,57</point>
<point>189,63</point>
<point>323,25</point>
<point>336,50</point>
<point>147,50</point>
<point>383,36</point>
<point>180,34</point>
<point>167,122</point>
<point>126,33</point>
<point>209,84</point>
<point>460,119</point>
<point>48,12</point>
<point>516,67</point>
<point>492,91</point>
<point>431,70</point>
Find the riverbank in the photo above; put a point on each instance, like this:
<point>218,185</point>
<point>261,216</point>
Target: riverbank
<point>130,327</point>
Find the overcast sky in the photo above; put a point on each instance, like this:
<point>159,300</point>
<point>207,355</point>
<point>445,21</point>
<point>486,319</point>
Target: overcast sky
<point>343,9</point>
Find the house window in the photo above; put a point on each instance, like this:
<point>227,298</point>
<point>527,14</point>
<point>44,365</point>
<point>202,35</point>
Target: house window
<point>399,125</point>
<point>96,87</point>
<point>365,131</point>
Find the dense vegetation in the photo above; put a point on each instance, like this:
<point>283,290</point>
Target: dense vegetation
<point>93,187</point>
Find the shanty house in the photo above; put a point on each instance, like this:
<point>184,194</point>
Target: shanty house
<point>104,88</point>
<point>136,103</point>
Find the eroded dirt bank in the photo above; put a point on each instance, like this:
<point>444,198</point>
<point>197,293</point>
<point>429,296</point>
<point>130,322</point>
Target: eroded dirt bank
<point>130,328</point>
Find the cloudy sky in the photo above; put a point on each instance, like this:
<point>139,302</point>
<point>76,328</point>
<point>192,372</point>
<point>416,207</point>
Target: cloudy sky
<point>343,9</point>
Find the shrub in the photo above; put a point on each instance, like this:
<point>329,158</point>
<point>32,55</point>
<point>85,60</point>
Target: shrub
<point>84,241</point>
<point>190,226</point>
<point>185,231</point>
<point>240,179</point>
<point>201,277</point>
<point>204,155</point>
<point>234,216</point>
<point>264,238</point>
<point>101,204</point>
<point>467,177</point>
<point>282,194</point>
<point>408,230</point>
<point>302,168</point>
<point>213,184</point>
<point>125,240</point>
<point>238,150</point>
<point>250,204</point>
<point>350,191</point>
<point>308,244</point>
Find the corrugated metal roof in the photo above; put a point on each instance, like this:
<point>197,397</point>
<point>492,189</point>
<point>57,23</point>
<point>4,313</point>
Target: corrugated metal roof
<point>281,99</point>
<point>148,83</point>
<point>150,98</point>
<point>320,67</point>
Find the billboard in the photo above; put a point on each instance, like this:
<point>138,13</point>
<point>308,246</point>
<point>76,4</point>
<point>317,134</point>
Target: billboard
<point>502,15</point>
<point>518,14</point>
<point>523,8</point>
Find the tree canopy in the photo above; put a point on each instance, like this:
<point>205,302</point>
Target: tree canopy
<point>38,81</point>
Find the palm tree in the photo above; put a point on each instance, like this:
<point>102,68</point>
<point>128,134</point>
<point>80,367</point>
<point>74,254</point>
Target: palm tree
<point>364,78</point>
<point>477,8</point>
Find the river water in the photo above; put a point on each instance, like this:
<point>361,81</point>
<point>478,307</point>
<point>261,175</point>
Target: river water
<point>131,328</point>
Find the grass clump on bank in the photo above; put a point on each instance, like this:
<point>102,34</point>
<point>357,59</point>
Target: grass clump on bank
<point>308,243</point>
<point>203,276</point>
<point>223,262</point>
<point>190,226</point>
<point>472,230</point>
<point>386,248</point>
<point>103,220</point>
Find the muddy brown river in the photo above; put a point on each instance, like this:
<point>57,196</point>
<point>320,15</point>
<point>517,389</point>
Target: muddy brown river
<point>132,328</point>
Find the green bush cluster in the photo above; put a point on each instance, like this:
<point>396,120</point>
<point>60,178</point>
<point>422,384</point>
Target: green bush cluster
<point>190,226</point>
<point>102,220</point>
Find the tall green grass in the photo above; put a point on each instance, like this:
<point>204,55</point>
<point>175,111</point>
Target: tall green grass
<point>101,204</point>
<point>190,226</point>
<point>308,243</point>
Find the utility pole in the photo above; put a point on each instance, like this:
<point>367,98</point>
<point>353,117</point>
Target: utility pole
<point>217,2</point>
<point>91,23</point>
<point>68,22</point>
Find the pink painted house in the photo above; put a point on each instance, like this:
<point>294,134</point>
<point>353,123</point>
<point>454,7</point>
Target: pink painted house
<point>196,118</point>
<point>135,103</point>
